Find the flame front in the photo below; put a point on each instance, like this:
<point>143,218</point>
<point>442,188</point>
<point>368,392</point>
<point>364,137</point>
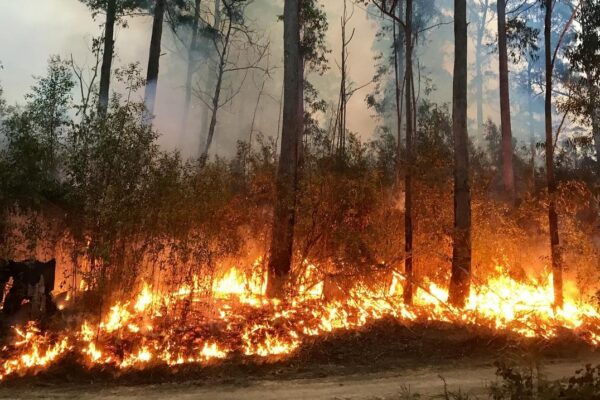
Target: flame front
<point>145,331</point>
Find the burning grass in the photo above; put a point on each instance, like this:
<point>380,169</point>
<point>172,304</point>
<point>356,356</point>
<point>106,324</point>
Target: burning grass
<point>183,327</point>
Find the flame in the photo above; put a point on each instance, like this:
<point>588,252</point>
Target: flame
<point>145,330</point>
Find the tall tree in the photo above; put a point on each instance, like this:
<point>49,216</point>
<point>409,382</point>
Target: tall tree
<point>233,37</point>
<point>114,10</point>
<point>345,18</point>
<point>282,239</point>
<point>408,189</point>
<point>389,8</point>
<point>461,249</point>
<point>191,62</point>
<point>550,179</point>
<point>483,13</point>
<point>584,58</point>
<point>107,55</point>
<point>399,81</point>
<point>550,62</point>
<point>508,174</point>
<point>154,58</point>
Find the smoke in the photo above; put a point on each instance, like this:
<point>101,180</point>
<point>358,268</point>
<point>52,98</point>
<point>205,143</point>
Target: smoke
<point>66,27</point>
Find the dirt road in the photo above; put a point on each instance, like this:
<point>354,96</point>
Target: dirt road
<point>472,379</point>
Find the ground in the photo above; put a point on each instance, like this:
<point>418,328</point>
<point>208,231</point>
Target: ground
<point>380,362</point>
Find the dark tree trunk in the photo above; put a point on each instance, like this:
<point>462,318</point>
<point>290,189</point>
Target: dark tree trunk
<point>191,65</point>
<point>107,56</point>
<point>552,214</point>
<point>508,175</point>
<point>479,49</point>
<point>595,116</point>
<point>211,84</point>
<point>223,54</point>
<point>596,134</point>
<point>154,58</point>
<point>530,123</point>
<point>343,99</point>
<point>399,70</point>
<point>215,107</point>
<point>461,249</point>
<point>408,221</point>
<point>282,240</point>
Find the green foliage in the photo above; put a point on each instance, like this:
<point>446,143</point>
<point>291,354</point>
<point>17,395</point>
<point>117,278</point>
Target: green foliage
<point>31,158</point>
<point>522,39</point>
<point>313,20</point>
<point>519,384</point>
<point>123,6</point>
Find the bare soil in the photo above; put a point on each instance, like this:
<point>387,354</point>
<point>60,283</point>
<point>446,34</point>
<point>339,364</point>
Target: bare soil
<point>379,362</point>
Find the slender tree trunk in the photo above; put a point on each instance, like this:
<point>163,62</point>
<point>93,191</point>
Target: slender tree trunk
<point>596,133</point>
<point>217,93</point>
<point>595,114</point>
<point>342,110</point>
<point>508,175</point>
<point>552,214</point>
<point>479,49</point>
<point>154,59</point>
<point>217,14</point>
<point>210,79</point>
<point>107,56</point>
<point>460,280</point>
<point>530,123</point>
<point>408,221</point>
<point>399,70</point>
<point>282,240</point>
<point>191,65</point>
<point>213,115</point>
<point>252,124</point>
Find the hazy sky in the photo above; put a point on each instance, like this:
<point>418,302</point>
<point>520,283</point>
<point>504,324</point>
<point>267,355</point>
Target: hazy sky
<point>32,30</point>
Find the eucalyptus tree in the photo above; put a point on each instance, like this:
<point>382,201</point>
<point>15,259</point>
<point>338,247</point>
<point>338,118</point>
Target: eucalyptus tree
<point>115,11</point>
<point>304,42</point>
<point>508,173</point>
<point>550,59</point>
<point>460,280</point>
<point>481,12</point>
<point>239,50</point>
<point>154,57</point>
<point>584,59</point>
<point>282,239</point>
<point>411,24</point>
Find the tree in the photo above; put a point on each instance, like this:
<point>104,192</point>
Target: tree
<point>154,58</point>
<point>584,58</point>
<point>508,174</point>
<point>389,8</point>
<point>550,58</point>
<point>482,15</point>
<point>282,239</point>
<point>114,10</point>
<point>408,189</point>
<point>191,62</point>
<point>550,180</point>
<point>461,247</point>
<point>34,139</point>
<point>107,55</point>
<point>343,81</point>
<point>399,81</point>
<point>233,38</point>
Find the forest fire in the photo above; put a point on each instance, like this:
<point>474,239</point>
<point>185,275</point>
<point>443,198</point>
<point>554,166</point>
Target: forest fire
<point>238,319</point>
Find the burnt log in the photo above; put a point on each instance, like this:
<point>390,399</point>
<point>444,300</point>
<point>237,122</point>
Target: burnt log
<point>29,296</point>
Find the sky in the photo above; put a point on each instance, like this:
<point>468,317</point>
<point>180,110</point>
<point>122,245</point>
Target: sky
<point>33,30</point>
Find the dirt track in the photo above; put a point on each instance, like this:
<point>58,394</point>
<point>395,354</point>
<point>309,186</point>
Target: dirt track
<point>383,385</point>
